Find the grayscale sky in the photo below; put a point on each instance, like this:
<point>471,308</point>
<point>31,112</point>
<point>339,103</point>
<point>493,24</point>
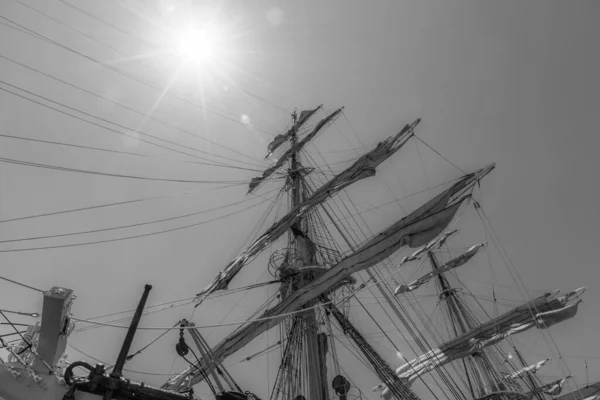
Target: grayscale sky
<point>510,82</point>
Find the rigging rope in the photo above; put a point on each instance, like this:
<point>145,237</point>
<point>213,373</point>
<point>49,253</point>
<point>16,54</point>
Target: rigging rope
<point>128,129</point>
<point>104,205</point>
<point>21,284</point>
<point>343,218</point>
<point>110,366</point>
<point>129,225</point>
<point>383,370</point>
<point>439,154</point>
<point>422,342</point>
<point>372,277</point>
<point>33,315</point>
<point>126,152</point>
<point>16,330</point>
<point>20,333</point>
<point>229,323</point>
<point>130,356</point>
<point>186,301</point>
<point>234,306</point>
<point>517,279</point>
<point>131,237</point>
<point>193,299</point>
<point>90,15</point>
<point>28,347</point>
<point>138,60</point>
<point>90,172</point>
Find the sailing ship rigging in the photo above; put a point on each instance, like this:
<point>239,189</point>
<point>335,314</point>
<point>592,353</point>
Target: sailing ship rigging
<point>318,278</point>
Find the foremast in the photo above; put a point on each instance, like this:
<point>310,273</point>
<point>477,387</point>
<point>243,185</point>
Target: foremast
<point>526,372</point>
<point>475,342</point>
<point>482,383</point>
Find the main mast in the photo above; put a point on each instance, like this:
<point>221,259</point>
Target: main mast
<point>316,380</point>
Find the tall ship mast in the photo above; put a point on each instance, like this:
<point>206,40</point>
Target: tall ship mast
<point>321,267</point>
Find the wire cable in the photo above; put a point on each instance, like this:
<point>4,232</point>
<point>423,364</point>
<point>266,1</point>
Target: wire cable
<point>125,152</point>
<point>189,300</point>
<point>90,172</point>
<point>246,321</point>
<point>90,37</point>
<point>129,357</point>
<point>20,333</point>
<point>130,237</point>
<point>129,129</point>
<point>22,284</point>
<point>118,203</point>
<point>90,15</point>
<point>129,225</point>
<point>15,328</point>
<point>27,314</point>
<point>439,154</point>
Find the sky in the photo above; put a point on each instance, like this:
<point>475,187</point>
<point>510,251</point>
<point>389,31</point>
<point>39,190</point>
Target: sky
<point>509,82</point>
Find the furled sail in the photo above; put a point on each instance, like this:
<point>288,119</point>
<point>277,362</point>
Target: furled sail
<point>551,389</point>
<point>454,263</point>
<point>283,137</point>
<point>589,392</point>
<point>363,168</point>
<point>440,241</point>
<point>414,230</point>
<point>531,369</point>
<point>256,181</point>
<point>445,237</point>
<point>414,256</point>
<point>543,312</point>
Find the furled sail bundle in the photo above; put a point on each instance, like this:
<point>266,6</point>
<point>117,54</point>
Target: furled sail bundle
<point>551,389</point>
<point>284,137</point>
<point>415,230</point>
<point>440,242</point>
<point>363,168</point>
<point>542,312</point>
<point>531,369</point>
<point>445,237</point>
<point>454,263</point>
<point>589,392</point>
<point>296,147</point>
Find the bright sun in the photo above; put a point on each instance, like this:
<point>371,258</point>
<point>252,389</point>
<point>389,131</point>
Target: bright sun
<point>199,46</point>
<point>201,50</point>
